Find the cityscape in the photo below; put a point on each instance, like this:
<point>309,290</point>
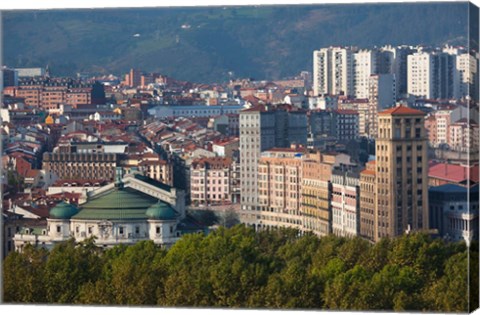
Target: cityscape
<point>362,170</point>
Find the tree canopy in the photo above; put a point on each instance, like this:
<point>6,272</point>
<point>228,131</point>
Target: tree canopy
<point>238,267</point>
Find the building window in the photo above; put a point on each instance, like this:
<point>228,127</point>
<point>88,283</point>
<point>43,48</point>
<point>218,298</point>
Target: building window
<point>120,230</point>
<point>157,230</point>
<point>59,228</point>
<point>137,230</point>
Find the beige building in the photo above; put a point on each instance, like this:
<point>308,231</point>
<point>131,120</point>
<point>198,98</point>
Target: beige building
<point>80,165</point>
<point>279,187</point>
<point>401,200</point>
<point>317,190</point>
<point>159,170</point>
<point>295,188</point>
<point>367,201</point>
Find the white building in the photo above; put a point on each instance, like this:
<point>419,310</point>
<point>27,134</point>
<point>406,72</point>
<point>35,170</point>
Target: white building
<point>467,73</point>
<point>432,75</point>
<point>194,110</point>
<point>30,72</point>
<point>323,102</point>
<point>257,133</point>
<point>364,65</point>
<point>332,71</point>
<point>131,210</point>
<point>345,203</point>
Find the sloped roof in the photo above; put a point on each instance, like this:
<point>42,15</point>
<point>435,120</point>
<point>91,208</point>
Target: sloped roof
<point>118,204</point>
<point>401,110</point>
<point>453,172</point>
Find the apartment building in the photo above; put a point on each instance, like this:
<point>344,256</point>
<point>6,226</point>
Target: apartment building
<point>367,201</point>
<point>364,65</point>
<point>279,187</point>
<point>345,202</point>
<point>432,75</point>
<point>262,128</point>
<point>210,180</point>
<point>463,135</point>
<point>467,69</point>
<point>333,71</point>
<point>91,165</point>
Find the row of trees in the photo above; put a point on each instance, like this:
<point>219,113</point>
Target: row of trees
<point>239,267</point>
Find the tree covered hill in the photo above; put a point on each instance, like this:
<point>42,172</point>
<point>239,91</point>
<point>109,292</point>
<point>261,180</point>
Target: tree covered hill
<point>206,43</point>
<point>239,267</point>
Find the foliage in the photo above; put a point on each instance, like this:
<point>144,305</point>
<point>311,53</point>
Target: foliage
<point>238,267</point>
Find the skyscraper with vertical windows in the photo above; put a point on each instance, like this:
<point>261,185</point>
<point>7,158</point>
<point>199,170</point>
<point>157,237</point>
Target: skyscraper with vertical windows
<point>401,191</point>
<point>333,71</point>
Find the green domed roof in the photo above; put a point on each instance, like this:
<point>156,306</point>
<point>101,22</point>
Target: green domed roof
<point>161,211</point>
<point>63,210</point>
<point>119,204</point>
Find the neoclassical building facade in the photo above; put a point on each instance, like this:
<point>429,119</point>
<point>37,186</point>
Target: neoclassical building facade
<point>132,209</point>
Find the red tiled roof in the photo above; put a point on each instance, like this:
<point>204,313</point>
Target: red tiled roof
<point>31,173</point>
<point>453,172</point>
<point>222,142</point>
<point>401,110</point>
<point>368,172</point>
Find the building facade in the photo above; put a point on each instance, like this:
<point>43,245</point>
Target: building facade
<point>210,181</point>
<point>279,188</point>
<point>401,185</point>
<point>80,165</point>
<point>367,201</point>
<point>332,71</point>
<point>130,210</point>
<point>454,212</point>
<point>432,75</point>
<point>262,128</point>
<point>345,203</point>
<point>364,65</point>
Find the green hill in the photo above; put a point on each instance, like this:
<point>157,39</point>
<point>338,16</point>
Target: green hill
<point>260,42</point>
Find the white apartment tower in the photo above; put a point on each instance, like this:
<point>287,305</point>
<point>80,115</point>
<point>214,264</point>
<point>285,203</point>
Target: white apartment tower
<point>431,75</point>
<point>364,65</point>
<point>467,74</point>
<point>257,133</point>
<point>332,71</point>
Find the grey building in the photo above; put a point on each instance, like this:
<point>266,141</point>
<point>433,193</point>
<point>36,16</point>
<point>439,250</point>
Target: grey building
<point>341,125</point>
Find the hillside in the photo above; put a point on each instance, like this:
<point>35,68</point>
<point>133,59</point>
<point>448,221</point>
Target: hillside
<point>260,42</point>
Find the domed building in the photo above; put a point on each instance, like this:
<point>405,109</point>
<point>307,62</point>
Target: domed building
<point>133,209</point>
